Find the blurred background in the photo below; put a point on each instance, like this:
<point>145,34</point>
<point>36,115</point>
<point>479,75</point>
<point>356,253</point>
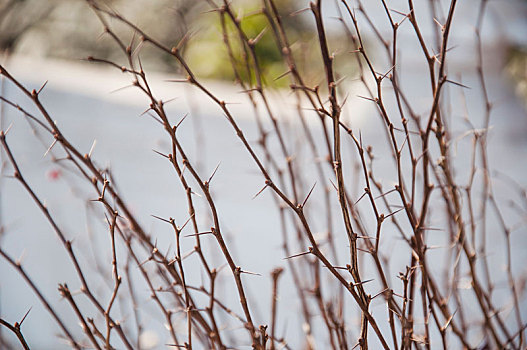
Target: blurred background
<point>68,30</point>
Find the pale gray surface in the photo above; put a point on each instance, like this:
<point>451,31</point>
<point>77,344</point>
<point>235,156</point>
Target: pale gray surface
<point>124,141</point>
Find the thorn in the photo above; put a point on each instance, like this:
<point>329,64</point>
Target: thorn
<point>401,296</point>
<point>395,212</point>
<point>358,200</point>
<point>282,75</point>
<point>400,150</point>
<point>404,19</point>
<point>181,121</point>
<point>340,80</point>
<point>344,100</point>
<point>168,250</point>
<point>367,98</point>
<point>395,312</point>
<point>49,148</point>
<point>309,194</point>
<point>160,218</point>
<point>23,318</point>
<point>92,147</point>
<point>333,184</point>
<point>183,170</point>
<point>140,65</point>
<point>199,234</point>
<point>186,222</point>
<point>366,237</point>
<point>458,84</point>
<point>409,131</point>
<point>364,250</point>
<point>258,37</point>
<point>156,118</point>
<point>361,282</point>
<point>188,254</point>
<point>451,48</point>
<point>122,88</point>
<point>161,154</point>
<point>336,267</point>
<point>22,256</point>
<point>399,12</point>
<point>297,255</point>
<point>213,173</point>
<point>439,24</point>
<point>388,72</point>
<point>360,139</point>
<point>7,130</point>
<point>432,229</point>
<point>211,11</point>
<point>248,91</point>
<point>42,87</point>
<point>144,262</point>
<point>221,268</point>
<point>196,194</point>
<point>448,321</point>
<point>146,111</point>
<point>250,273</point>
<point>381,292</point>
<point>386,193</point>
<point>137,48</point>
<point>297,12</point>
<point>181,42</point>
<point>257,194</point>
<point>169,100</point>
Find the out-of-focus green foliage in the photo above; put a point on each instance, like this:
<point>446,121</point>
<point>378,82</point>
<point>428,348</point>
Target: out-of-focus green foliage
<point>210,58</point>
<point>517,70</point>
<point>209,55</point>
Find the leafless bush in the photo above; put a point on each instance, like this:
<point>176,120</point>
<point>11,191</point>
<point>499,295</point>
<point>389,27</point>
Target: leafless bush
<point>352,289</point>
